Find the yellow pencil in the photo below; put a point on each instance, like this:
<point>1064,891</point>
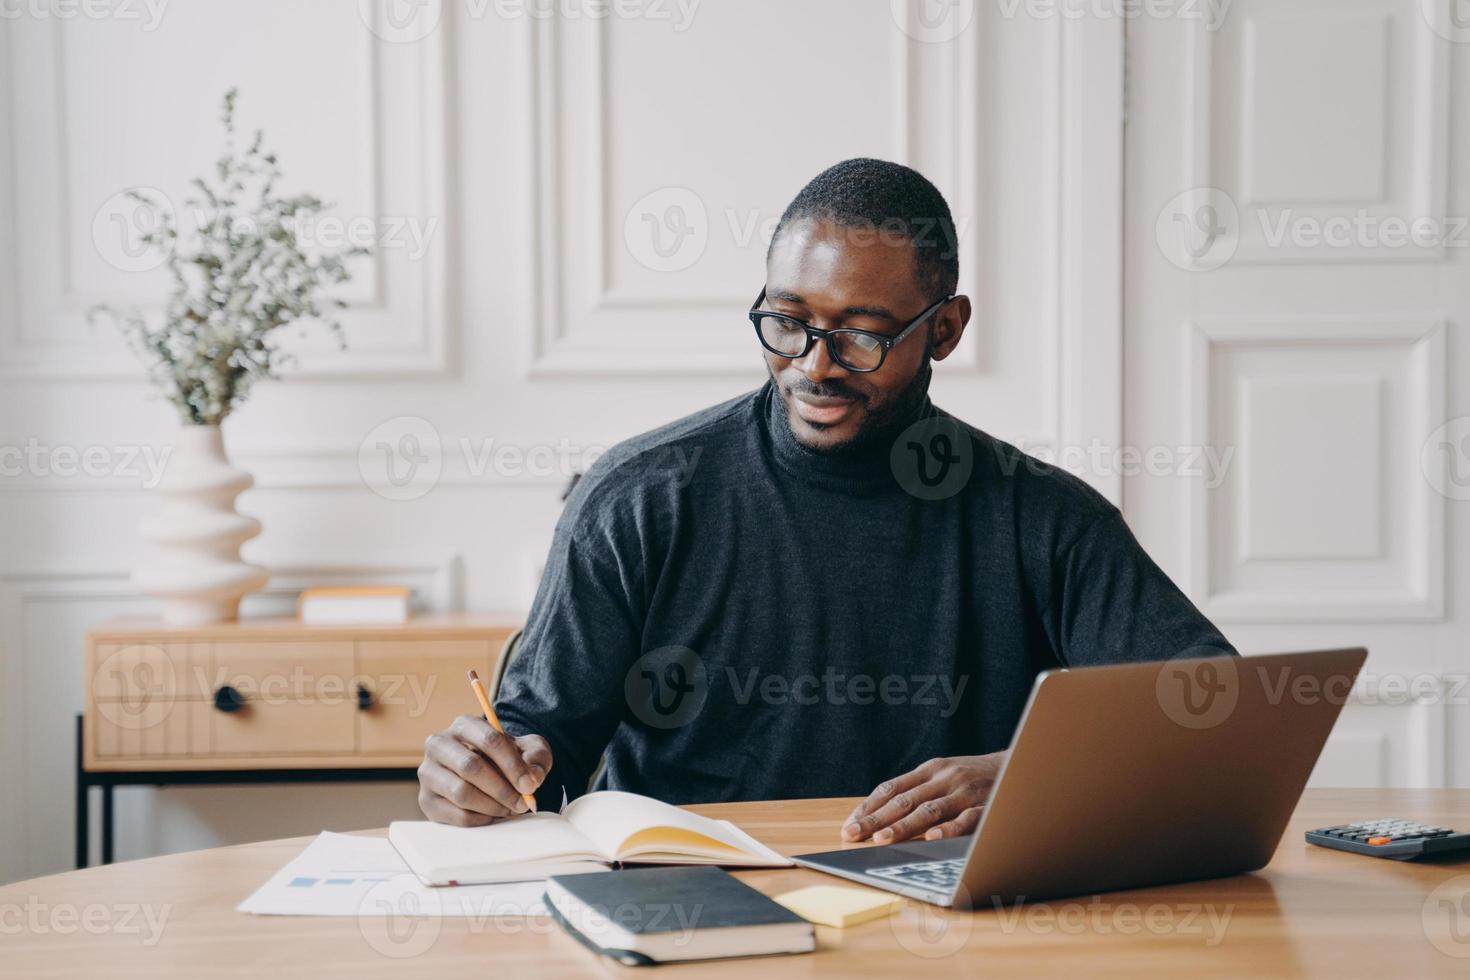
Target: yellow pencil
<point>484,697</point>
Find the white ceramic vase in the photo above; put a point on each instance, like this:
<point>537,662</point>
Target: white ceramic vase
<point>197,572</point>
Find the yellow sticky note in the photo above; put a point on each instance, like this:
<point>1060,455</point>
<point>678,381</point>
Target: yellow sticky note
<point>833,905</point>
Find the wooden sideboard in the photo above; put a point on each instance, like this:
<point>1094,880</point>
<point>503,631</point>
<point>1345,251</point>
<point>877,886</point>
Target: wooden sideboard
<point>270,700</point>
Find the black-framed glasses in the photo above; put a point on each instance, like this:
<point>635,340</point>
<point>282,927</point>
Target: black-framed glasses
<point>856,350</point>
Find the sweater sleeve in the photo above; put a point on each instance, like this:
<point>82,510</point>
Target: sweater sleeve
<point>581,637</point>
<point>1112,603</point>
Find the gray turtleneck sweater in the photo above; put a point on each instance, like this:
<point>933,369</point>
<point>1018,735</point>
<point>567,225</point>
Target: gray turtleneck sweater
<point>728,616</point>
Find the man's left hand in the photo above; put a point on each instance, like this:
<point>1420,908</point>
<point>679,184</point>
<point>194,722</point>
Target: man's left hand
<point>941,798</point>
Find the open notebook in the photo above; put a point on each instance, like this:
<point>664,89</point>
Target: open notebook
<point>590,834</point>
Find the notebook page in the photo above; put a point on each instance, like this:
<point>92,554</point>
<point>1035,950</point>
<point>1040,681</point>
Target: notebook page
<point>609,818</point>
<point>431,848</point>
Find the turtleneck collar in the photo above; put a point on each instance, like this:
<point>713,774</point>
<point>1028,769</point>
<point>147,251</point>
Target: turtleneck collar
<point>865,472</point>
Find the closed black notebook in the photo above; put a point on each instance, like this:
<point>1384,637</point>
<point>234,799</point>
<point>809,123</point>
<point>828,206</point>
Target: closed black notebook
<point>661,915</point>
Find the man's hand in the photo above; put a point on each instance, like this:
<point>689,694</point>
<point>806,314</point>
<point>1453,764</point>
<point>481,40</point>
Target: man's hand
<point>473,775</point>
<point>941,798</point>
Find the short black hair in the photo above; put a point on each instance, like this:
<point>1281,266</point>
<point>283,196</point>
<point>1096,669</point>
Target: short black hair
<point>888,198</point>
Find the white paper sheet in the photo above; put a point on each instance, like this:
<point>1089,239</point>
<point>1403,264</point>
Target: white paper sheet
<point>346,875</point>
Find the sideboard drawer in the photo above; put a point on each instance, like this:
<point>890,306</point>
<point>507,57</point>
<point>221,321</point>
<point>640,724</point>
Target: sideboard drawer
<point>145,673</point>
<point>284,728</point>
<point>277,694</point>
<point>418,687</point>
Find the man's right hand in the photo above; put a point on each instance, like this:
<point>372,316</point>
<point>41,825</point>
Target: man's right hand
<point>473,775</point>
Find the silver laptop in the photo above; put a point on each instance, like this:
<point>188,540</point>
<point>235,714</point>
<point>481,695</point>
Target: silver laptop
<point>1131,775</point>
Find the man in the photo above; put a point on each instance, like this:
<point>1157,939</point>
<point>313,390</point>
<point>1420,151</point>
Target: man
<point>823,586</point>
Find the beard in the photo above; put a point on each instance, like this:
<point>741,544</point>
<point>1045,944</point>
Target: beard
<point>881,421</point>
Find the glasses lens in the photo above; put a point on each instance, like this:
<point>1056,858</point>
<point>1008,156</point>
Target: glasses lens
<point>783,336</point>
<point>858,351</point>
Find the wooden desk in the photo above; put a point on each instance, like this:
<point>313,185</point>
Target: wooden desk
<point>1310,912</point>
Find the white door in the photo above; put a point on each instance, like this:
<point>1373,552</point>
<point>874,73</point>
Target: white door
<point>1296,299</point>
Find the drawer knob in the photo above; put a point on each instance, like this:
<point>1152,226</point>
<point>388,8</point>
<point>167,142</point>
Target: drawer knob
<point>364,698</point>
<point>227,699</point>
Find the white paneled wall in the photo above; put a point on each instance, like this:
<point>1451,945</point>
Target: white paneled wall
<point>571,215</point>
<point>1298,291</point>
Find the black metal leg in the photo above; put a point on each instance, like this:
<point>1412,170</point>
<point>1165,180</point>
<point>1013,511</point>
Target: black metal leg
<point>83,821</point>
<point>83,791</point>
<point>106,823</point>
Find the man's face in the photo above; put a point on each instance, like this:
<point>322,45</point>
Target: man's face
<point>829,276</point>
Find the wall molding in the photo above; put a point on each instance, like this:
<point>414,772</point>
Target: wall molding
<point>556,347</point>
<point>1421,596</point>
<point>422,307</point>
<point>1428,127</point>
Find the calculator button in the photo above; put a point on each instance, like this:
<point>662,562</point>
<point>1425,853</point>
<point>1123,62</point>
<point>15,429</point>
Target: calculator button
<point>1379,840</point>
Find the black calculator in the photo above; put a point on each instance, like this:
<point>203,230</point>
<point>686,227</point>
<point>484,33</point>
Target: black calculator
<point>1402,840</point>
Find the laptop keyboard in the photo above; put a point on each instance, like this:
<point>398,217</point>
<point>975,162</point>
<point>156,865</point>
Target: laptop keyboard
<point>940,876</point>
